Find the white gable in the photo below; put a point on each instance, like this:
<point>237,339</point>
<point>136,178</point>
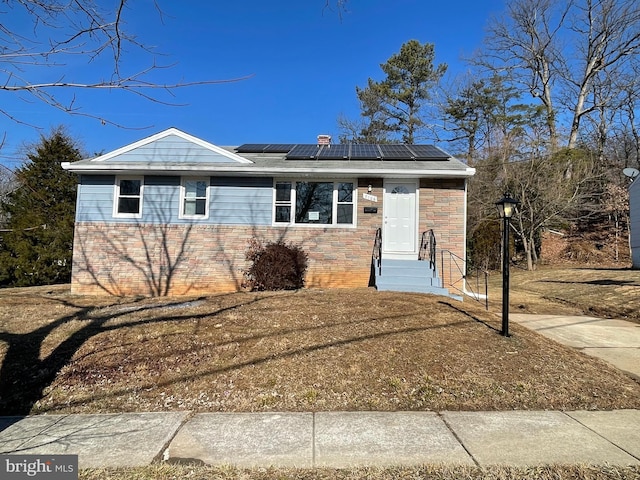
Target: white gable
<point>171,146</point>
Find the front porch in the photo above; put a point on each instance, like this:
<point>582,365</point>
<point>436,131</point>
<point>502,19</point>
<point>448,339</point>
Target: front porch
<point>431,270</point>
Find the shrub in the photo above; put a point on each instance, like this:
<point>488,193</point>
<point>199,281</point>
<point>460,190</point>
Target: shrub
<point>275,266</point>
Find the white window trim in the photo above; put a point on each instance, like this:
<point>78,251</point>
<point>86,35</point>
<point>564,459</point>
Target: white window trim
<point>334,206</point>
<point>183,192</point>
<point>116,197</point>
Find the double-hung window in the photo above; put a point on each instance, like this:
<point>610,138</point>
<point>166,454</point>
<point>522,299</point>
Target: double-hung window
<point>318,202</point>
<point>128,197</point>
<point>194,201</point>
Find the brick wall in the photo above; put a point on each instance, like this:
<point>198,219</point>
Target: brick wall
<point>442,208</point>
<point>124,259</point>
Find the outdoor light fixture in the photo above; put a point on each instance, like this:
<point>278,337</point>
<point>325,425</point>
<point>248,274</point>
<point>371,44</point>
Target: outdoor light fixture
<point>369,188</point>
<point>506,208</point>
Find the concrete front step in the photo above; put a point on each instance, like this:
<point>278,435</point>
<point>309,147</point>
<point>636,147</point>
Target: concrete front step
<point>409,276</point>
<point>399,280</point>
<point>413,288</point>
<point>407,268</point>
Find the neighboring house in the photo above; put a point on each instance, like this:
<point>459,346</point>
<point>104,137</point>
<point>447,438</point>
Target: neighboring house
<point>173,214</point>
<point>634,217</point>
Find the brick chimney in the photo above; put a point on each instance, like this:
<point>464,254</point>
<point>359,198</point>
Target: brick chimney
<point>324,139</point>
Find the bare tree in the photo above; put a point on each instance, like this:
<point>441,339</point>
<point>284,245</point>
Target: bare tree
<point>616,206</point>
<point>623,141</point>
<point>525,42</point>
<point>45,37</point>
<point>608,39</point>
<point>569,53</point>
<point>541,206</point>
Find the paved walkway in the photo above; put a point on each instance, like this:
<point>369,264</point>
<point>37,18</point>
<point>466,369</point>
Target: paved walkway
<point>343,439</point>
<point>331,439</point>
<point>615,341</point>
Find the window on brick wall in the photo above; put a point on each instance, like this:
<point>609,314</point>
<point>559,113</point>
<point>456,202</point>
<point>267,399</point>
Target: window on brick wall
<point>128,197</point>
<point>194,198</point>
<point>317,202</point>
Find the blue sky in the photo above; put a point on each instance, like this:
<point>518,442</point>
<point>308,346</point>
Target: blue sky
<point>303,62</point>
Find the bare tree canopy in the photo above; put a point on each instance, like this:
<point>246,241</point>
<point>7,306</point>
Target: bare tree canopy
<point>573,56</point>
<point>44,42</point>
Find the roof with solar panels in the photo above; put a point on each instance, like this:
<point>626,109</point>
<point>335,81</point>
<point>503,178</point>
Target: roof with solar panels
<point>175,151</point>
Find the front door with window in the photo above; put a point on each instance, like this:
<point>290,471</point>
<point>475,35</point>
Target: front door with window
<point>399,230</point>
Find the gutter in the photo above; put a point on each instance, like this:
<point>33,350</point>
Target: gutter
<point>263,171</point>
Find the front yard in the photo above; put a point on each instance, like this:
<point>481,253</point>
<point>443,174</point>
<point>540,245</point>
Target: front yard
<point>309,350</point>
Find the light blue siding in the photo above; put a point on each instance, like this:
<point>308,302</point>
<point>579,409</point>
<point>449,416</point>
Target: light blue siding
<point>95,198</point>
<point>241,201</point>
<point>232,201</point>
<point>161,200</point>
<point>170,149</point>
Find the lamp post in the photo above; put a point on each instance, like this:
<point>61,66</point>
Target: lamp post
<point>506,208</point>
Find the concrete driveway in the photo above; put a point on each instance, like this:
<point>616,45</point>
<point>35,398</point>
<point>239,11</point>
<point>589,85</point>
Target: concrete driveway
<point>614,341</point>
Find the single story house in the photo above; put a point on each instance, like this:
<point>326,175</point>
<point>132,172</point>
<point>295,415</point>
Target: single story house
<point>174,214</point>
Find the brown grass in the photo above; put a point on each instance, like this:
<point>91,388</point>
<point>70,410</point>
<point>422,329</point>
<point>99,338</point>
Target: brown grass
<point>600,292</point>
<point>294,351</point>
<point>435,472</point>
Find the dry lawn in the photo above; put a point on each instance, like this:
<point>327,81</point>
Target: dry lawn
<point>598,292</point>
<point>291,351</point>
<point>434,472</point>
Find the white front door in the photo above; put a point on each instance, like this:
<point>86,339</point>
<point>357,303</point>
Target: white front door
<point>399,230</point>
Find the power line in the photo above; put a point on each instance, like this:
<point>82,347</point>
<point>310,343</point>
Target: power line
<point>7,230</point>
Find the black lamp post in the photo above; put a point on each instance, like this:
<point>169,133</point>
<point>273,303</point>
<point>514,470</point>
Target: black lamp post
<point>506,208</point>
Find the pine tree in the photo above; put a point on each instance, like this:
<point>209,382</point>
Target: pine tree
<point>36,246</point>
<point>394,105</point>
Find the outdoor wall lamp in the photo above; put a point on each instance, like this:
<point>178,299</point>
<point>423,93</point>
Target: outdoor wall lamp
<point>369,189</point>
<point>506,208</point>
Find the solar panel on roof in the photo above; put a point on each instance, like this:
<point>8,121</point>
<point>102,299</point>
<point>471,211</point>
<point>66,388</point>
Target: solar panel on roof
<point>336,152</point>
<point>279,147</point>
<point>265,147</point>
<point>395,152</point>
<point>355,151</point>
<point>251,148</point>
<point>360,151</point>
<point>428,152</point>
<point>303,152</point>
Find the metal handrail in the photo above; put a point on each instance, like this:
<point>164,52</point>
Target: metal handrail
<point>455,260</point>
<point>428,245</point>
<point>376,255</point>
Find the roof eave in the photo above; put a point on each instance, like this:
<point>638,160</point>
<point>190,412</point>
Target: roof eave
<point>264,171</point>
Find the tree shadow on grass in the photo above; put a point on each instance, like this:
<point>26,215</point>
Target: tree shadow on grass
<point>301,351</point>
<point>604,282</point>
<point>24,376</point>
<point>467,314</point>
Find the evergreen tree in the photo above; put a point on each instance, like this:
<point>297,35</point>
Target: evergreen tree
<point>37,244</point>
<point>393,107</point>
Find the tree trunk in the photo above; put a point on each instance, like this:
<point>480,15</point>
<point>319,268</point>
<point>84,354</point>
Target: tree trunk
<point>527,250</point>
<point>577,114</point>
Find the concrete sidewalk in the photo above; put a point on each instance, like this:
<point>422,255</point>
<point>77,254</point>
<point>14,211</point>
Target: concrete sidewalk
<point>331,439</point>
<point>614,341</point>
